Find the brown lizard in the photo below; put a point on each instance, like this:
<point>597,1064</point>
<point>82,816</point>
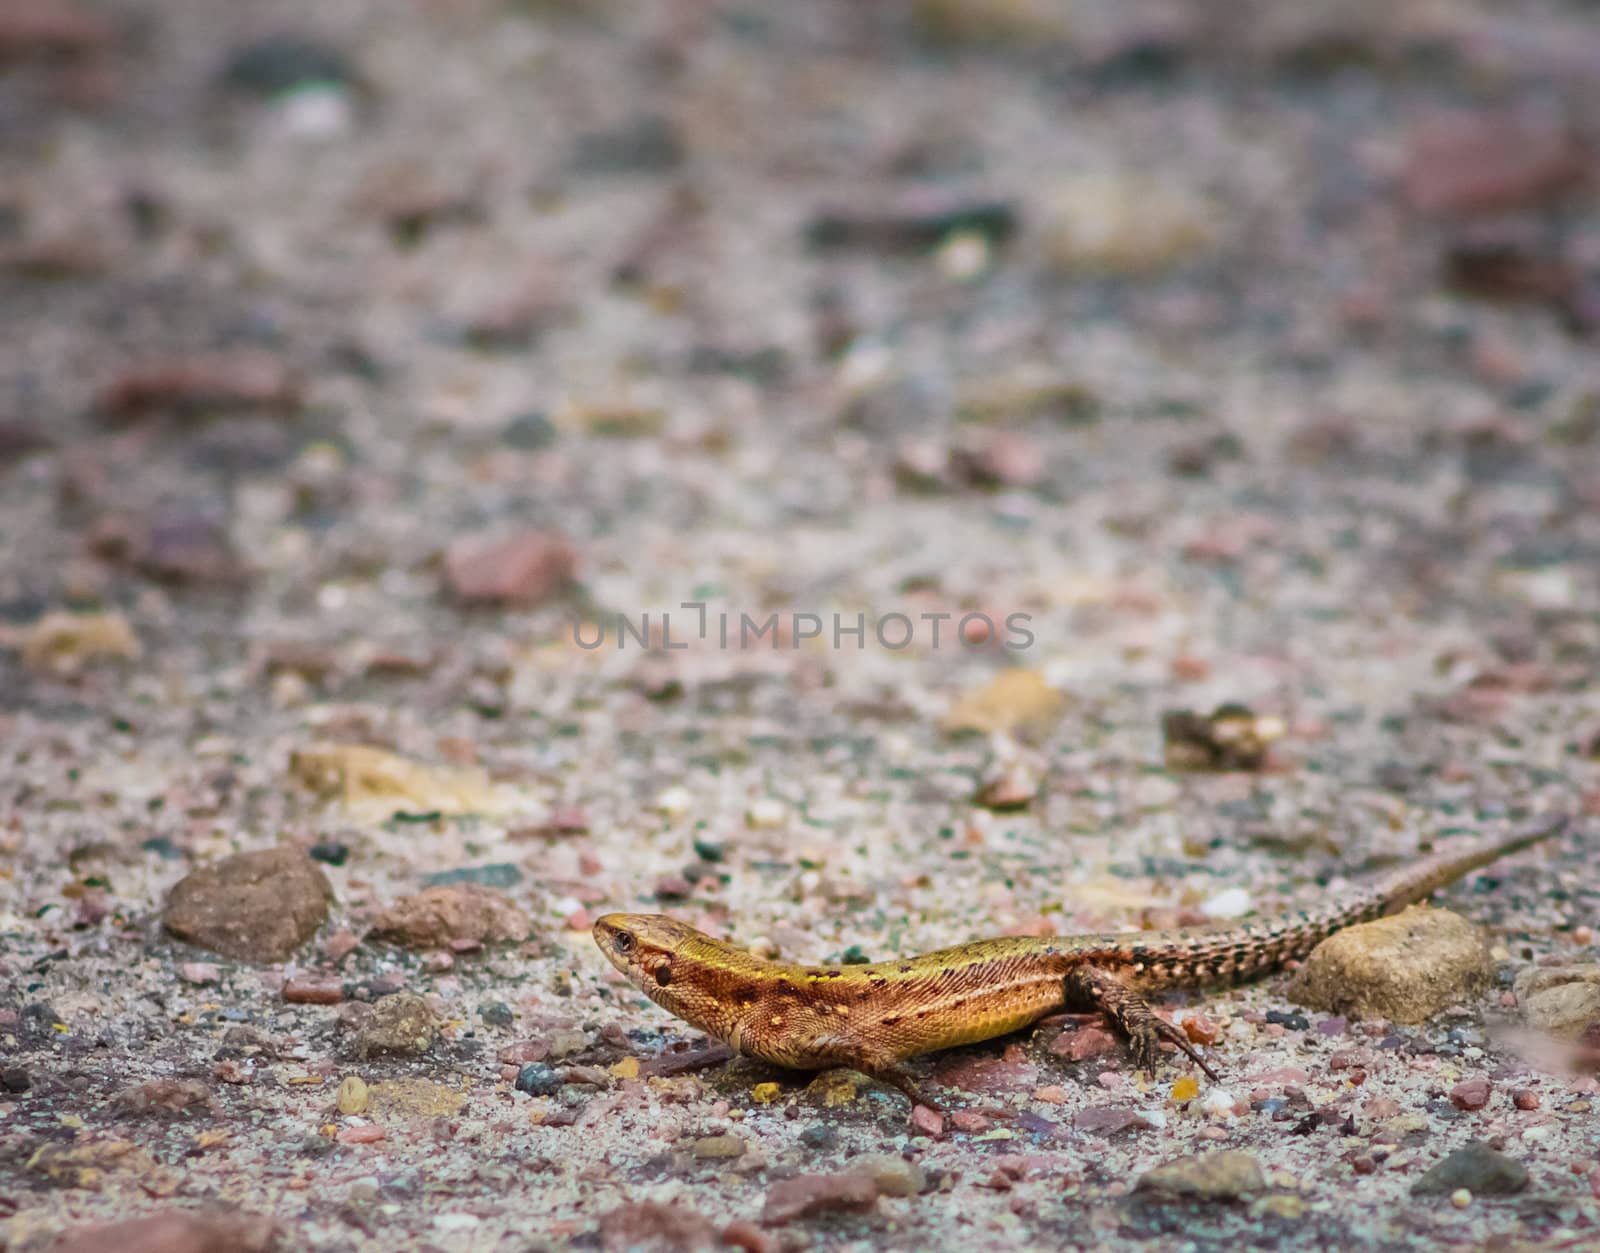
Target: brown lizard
<point>873,1017</point>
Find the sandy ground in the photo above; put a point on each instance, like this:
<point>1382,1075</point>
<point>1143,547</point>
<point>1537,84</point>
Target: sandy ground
<point>1249,353</point>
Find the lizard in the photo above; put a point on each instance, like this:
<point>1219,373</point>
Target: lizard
<point>873,1017</point>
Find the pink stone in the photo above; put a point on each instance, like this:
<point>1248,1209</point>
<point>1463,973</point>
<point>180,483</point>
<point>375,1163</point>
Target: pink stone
<point>360,1135</point>
<point>1470,1094</point>
<point>928,1122</point>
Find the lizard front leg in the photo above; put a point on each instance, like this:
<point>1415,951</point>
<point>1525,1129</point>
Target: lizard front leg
<point>1091,988</point>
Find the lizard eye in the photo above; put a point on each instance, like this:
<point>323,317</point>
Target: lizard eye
<point>624,942</point>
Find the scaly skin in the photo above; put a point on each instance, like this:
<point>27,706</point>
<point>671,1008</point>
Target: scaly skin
<point>873,1017</point>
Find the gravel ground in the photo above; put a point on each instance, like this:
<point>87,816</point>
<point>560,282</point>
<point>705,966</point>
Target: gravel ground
<point>363,363</point>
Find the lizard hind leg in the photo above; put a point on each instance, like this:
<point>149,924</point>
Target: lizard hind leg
<point>1092,988</point>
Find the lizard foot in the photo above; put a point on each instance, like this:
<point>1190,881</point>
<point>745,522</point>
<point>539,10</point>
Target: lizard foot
<point>1094,988</point>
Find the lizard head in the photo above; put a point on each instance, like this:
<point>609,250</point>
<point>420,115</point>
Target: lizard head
<point>686,972</point>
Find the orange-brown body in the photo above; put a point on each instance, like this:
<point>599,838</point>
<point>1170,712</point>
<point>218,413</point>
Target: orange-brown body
<point>871,1017</point>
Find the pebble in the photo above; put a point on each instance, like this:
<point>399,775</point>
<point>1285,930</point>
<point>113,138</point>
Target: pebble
<point>1226,1174</point>
<point>1219,1103</point>
<point>1476,1167</point>
<point>401,1025</point>
<point>199,973</point>
<point>1461,1198</point>
<point>808,1195</point>
<point>363,1134</point>
<point>312,990</point>
<point>1525,1099</point>
<point>1086,1042</point>
<point>1470,1094</point>
<point>1201,1029</point>
<point>353,1096</point>
<point>438,915</point>
<point>1405,968</point>
<point>718,1147</point>
<point>258,907</point>
<point>175,1231</point>
<point>1489,162</point>
<point>820,1136</point>
<point>1115,223</point>
<point>518,570</point>
<point>538,1079</point>
<point>674,802</point>
<point>766,814</point>
<point>652,1225</point>
<point>928,1122</point>
<point>15,1079</point>
<point>894,1176</point>
<point>1232,903</point>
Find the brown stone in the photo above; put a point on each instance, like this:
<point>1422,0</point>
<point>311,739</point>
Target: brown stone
<point>657,1227</point>
<point>311,990</point>
<point>807,1195</point>
<point>1488,163</point>
<point>401,1025</point>
<point>258,907</point>
<point>1470,1094</point>
<point>164,1096</point>
<point>436,916</point>
<point>175,1232</point>
<point>1559,1000</point>
<point>520,569</point>
<point>1405,968</point>
<point>202,387</point>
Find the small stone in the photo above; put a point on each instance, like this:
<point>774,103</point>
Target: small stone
<point>1470,1094</point>
<point>821,1137</point>
<point>1231,737</point>
<point>414,1100</point>
<point>437,915</point>
<point>312,990</point>
<point>808,1195</point>
<point>1015,701</point>
<point>674,802</point>
<point>176,1231</point>
<point>164,1096</point>
<point>1084,1043</point>
<point>202,387</point>
<point>497,1014</point>
<point>353,1095</point>
<point>1225,1175</point>
<point>652,1227</point>
<point>718,1147</point>
<point>1126,225</point>
<point>1108,1121</point>
<point>1200,1029</point>
<point>565,1041</point>
<point>766,814</point>
<point>1489,162</point>
<point>401,1025</point>
<point>1476,1167</point>
<point>1229,903</point>
<point>538,1079</point>
<point>67,643</point>
<point>258,907</point>
<point>914,221</point>
<point>971,1121</point>
<point>1405,968</point>
<point>522,569</point>
<point>201,974</point>
<point>927,1122</point>
<point>15,1079</point>
<point>366,1134</point>
<point>276,65</point>
<point>894,1176</point>
<point>1559,1000</point>
<point>1186,1089</point>
<point>330,852</point>
<point>1525,1099</point>
<point>1461,1198</point>
<point>673,887</point>
<point>1219,1102</point>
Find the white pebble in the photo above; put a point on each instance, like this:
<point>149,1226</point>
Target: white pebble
<point>675,802</point>
<point>1219,1101</point>
<point>455,1222</point>
<point>766,814</point>
<point>1461,1198</point>
<point>1233,903</point>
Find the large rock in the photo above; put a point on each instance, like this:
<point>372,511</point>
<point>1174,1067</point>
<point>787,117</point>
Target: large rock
<point>1560,1000</point>
<point>257,907</point>
<point>1477,1168</point>
<point>1405,968</point>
